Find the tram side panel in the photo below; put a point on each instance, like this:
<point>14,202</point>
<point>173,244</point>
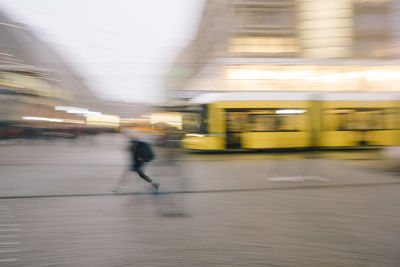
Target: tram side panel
<point>396,122</point>
<point>268,124</point>
<point>358,123</point>
<point>316,123</point>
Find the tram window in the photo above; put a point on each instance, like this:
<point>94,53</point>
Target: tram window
<point>192,122</point>
<point>289,122</point>
<point>275,123</point>
<point>263,123</point>
<point>237,122</point>
<point>355,119</point>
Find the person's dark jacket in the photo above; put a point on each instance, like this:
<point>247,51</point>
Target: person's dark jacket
<point>141,151</point>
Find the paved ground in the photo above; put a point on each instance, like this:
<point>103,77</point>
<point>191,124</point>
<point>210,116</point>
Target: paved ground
<point>56,208</point>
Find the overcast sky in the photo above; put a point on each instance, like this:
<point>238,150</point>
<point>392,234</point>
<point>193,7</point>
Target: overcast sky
<point>121,47</point>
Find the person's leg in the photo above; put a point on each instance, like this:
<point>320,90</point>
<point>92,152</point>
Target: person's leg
<point>143,175</point>
<point>140,172</point>
<point>138,167</point>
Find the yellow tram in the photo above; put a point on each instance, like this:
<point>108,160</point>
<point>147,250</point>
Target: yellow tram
<point>275,120</point>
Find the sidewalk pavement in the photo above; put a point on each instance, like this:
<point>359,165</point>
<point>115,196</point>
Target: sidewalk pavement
<point>95,167</point>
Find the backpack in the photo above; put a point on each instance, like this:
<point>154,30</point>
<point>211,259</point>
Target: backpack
<point>142,150</point>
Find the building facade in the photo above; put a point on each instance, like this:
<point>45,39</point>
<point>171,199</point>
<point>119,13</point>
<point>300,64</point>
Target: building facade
<point>291,45</point>
<point>36,83</point>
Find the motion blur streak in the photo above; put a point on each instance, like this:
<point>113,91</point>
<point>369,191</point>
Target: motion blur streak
<point>200,133</point>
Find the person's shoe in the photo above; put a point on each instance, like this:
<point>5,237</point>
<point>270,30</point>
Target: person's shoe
<point>155,187</point>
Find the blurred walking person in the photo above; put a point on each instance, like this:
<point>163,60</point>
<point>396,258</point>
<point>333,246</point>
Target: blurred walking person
<point>141,154</point>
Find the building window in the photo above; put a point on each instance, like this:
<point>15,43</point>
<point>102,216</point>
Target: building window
<point>371,26</point>
<point>268,18</point>
<point>263,45</point>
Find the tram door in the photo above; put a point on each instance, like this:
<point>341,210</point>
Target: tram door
<point>236,124</point>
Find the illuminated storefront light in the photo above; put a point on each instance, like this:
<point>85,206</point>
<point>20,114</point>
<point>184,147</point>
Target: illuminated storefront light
<point>382,75</point>
<point>316,75</point>
<point>92,113</point>
<point>263,45</point>
<point>41,119</point>
<point>108,121</point>
<point>76,110</point>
